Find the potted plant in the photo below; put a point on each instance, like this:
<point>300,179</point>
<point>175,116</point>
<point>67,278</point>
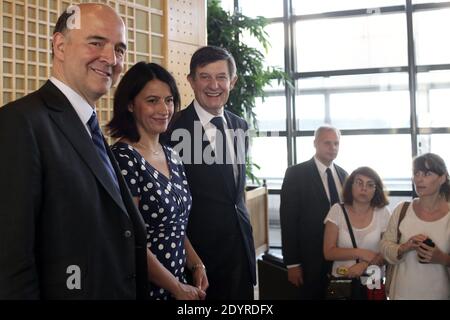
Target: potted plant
<point>226,30</point>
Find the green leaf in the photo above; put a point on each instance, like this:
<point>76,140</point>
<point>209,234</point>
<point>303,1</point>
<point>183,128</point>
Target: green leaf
<point>226,30</point>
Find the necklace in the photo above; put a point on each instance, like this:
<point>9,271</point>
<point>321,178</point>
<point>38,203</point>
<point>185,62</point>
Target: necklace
<point>155,153</point>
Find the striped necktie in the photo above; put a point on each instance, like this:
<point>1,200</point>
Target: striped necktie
<point>99,143</point>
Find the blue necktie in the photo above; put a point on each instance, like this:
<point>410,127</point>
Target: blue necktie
<point>334,197</point>
<point>97,138</point>
<point>221,149</point>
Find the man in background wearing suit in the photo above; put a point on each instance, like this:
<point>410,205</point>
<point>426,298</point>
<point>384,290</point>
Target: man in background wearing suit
<point>308,191</point>
<point>68,226</point>
<point>219,224</point>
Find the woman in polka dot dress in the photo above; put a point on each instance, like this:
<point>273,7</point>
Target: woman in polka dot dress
<point>144,103</point>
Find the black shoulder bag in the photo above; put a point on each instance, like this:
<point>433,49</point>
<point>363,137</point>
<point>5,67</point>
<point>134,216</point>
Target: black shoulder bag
<point>340,288</point>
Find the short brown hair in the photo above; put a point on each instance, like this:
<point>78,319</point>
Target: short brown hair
<point>209,54</point>
<point>379,199</point>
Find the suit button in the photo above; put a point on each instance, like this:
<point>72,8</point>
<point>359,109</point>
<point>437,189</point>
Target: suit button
<point>127,233</point>
<point>132,276</point>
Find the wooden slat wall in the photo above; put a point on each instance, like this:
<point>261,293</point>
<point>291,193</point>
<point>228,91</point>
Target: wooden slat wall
<point>186,32</point>
<point>27,26</point>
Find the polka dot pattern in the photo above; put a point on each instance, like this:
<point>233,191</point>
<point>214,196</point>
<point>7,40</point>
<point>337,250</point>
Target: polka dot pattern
<point>164,204</point>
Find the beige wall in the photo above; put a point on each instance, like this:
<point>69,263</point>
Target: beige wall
<point>161,31</point>
<point>186,32</point>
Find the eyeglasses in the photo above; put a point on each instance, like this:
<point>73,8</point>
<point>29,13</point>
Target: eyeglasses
<point>370,185</point>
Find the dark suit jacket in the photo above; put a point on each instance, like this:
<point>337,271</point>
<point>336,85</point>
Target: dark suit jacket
<point>304,206</point>
<point>219,218</point>
<point>59,209</point>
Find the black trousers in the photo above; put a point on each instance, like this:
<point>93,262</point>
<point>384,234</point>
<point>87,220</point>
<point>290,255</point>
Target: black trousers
<point>315,283</point>
<point>231,279</point>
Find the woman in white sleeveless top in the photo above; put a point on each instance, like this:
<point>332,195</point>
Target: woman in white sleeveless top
<point>422,271</point>
<point>365,203</point>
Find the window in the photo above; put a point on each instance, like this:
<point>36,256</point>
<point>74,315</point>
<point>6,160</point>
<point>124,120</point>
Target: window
<point>268,9</point>
<point>354,102</point>
<point>274,56</point>
<point>227,5</point>
<point>309,111</point>
<point>270,154</point>
<point>350,43</point>
<point>388,154</point>
<point>309,7</point>
<point>349,61</point>
<point>367,110</point>
<point>436,143</point>
<point>433,96</point>
<point>432,46</point>
<point>271,113</point>
<point>427,1</point>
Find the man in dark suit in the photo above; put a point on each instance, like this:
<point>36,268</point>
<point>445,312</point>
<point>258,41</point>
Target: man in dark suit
<point>308,191</point>
<point>68,226</point>
<point>219,225</point>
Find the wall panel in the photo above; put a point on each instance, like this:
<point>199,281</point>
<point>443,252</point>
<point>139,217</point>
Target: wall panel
<point>186,32</point>
<point>27,25</point>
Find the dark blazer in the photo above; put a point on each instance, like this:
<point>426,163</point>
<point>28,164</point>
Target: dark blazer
<point>59,209</point>
<point>219,224</point>
<point>304,206</point>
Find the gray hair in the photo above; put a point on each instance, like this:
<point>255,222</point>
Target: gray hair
<point>326,127</point>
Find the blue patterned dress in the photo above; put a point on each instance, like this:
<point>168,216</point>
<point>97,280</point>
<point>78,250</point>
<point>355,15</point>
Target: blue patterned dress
<point>164,204</point>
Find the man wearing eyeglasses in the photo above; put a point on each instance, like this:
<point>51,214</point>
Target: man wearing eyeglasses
<point>309,190</point>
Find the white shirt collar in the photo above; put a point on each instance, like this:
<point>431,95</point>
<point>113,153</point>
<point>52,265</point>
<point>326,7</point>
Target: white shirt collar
<point>81,106</point>
<point>205,117</point>
<point>321,167</point>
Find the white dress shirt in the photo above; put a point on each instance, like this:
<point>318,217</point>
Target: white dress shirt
<point>323,175</point>
<point>81,106</point>
<point>210,131</point>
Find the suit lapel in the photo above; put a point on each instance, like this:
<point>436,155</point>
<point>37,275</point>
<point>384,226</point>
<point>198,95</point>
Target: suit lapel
<point>192,118</point>
<point>192,114</point>
<point>67,120</point>
<point>340,174</point>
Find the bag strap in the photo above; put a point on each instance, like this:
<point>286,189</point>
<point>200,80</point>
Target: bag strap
<point>400,218</point>
<point>350,229</point>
